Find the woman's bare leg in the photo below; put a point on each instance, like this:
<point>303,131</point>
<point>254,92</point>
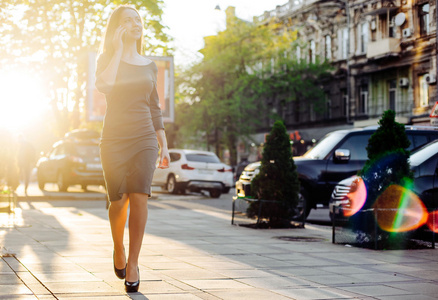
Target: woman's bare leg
<point>138,215</point>
<point>117,212</point>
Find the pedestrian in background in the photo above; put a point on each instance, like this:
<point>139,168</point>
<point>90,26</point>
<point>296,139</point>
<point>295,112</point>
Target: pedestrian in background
<point>241,166</point>
<point>133,129</point>
<point>25,160</point>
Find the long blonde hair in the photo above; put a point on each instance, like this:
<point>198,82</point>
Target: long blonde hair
<point>106,46</point>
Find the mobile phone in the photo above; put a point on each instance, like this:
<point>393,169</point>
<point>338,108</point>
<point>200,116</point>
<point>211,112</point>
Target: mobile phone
<point>164,164</point>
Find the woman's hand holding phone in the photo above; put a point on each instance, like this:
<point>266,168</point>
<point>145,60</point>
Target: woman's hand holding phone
<point>118,38</point>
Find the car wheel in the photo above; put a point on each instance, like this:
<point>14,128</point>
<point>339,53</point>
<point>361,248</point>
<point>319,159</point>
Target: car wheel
<point>302,211</point>
<point>226,190</point>
<point>62,184</point>
<point>41,182</point>
<point>171,185</point>
<point>215,193</point>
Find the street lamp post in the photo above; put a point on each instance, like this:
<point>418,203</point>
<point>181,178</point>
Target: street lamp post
<point>346,6</point>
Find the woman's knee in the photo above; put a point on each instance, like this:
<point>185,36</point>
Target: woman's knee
<point>138,198</point>
<point>120,203</point>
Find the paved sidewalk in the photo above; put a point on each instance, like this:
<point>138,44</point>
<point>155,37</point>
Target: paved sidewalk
<point>66,253</point>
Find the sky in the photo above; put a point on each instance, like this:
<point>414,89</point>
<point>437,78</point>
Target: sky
<point>191,20</point>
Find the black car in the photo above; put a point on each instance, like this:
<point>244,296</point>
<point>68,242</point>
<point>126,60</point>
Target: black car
<point>424,164</point>
<point>72,160</point>
<point>339,155</point>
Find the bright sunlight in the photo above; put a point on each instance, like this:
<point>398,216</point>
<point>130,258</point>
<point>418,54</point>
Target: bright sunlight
<point>23,99</point>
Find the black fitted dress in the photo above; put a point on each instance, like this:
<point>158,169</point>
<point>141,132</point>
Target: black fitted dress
<point>129,146</point>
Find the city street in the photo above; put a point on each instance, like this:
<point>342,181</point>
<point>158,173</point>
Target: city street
<point>321,102</point>
<point>159,197</point>
<point>62,249</point>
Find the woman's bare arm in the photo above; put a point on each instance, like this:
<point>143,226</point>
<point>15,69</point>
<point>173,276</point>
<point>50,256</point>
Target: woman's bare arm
<point>164,153</point>
<point>108,75</point>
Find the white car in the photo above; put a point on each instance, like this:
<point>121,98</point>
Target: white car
<point>195,171</point>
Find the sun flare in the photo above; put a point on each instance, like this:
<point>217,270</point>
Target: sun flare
<point>22,99</point>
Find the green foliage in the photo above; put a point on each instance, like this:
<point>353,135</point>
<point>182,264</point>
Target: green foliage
<point>387,164</point>
<point>277,180</point>
<point>388,159</point>
<point>243,66</point>
<point>296,81</point>
<point>390,136</point>
<point>54,38</point>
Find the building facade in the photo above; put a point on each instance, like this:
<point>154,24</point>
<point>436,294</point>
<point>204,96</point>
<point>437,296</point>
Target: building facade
<point>383,55</point>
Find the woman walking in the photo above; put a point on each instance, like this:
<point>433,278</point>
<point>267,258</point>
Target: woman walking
<point>133,128</point>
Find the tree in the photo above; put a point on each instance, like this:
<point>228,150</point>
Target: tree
<point>242,67</point>
<point>277,180</point>
<point>54,39</point>
<point>387,166</point>
<point>388,157</point>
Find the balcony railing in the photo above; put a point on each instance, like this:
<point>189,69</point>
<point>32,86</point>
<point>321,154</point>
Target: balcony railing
<point>386,46</point>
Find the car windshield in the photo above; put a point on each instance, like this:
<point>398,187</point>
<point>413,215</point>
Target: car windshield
<point>323,147</point>
<point>200,157</point>
<point>253,166</point>
<point>423,154</point>
<point>87,150</point>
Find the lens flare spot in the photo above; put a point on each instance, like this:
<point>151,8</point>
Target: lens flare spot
<point>356,198</point>
<point>432,221</point>
<point>398,209</point>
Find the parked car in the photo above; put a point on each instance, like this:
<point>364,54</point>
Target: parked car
<point>195,171</point>
<point>424,164</point>
<point>72,160</point>
<point>243,184</point>
<point>339,155</point>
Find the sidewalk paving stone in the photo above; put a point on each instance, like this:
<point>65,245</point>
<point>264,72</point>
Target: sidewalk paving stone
<point>424,288</point>
<point>163,296</point>
<point>214,284</point>
<point>409,297</point>
<point>65,252</point>
<point>253,294</point>
<point>319,293</point>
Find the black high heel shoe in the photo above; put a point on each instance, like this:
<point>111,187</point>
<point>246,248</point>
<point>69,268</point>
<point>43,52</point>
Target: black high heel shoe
<point>132,287</point>
<point>120,273</point>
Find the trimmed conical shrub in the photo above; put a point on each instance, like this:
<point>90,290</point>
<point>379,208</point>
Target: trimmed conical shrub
<point>387,166</point>
<point>388,157</point>
<point>277,180</point>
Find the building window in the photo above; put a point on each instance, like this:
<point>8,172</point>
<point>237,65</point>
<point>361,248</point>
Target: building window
<point>363,100</point>
<point>373,29</point>
<point>424,91</point>
<point>363,37</point>
<point>392,28</point>
<point>312,52</point>
<point>423,15</point>
<point>344,98</point>
<point>328,47</point>
<point>342,43</point>
<point>392,94</point>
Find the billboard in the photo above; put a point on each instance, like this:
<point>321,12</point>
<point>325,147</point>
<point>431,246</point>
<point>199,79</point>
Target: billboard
<point>96,105</point>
